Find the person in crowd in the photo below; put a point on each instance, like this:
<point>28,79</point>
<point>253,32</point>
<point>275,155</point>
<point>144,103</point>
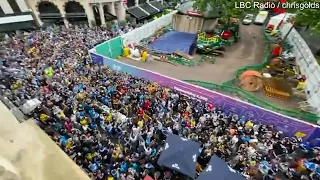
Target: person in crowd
<point>114,125</point>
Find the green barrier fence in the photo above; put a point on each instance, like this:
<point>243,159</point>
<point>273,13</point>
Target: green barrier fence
<point>186,62</point>
<point>112,48</point>
<point>309,117</point>
<point>229,87</point>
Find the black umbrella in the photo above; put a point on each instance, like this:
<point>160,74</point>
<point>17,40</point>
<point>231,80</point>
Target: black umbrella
<point>218,169</point>
<point>180,154</point>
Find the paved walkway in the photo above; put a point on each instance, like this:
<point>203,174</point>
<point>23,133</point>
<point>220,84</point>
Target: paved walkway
<point>33,153</point>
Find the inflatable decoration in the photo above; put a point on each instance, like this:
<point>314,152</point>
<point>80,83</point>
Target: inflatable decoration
<point>135,53</point>
<point>126,51</point>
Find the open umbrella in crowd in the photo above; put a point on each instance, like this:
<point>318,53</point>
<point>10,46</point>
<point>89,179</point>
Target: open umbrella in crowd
<point>117,126</point>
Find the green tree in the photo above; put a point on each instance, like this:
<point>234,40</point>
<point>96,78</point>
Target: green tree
<point>225,9</point>
<point>306,17</point>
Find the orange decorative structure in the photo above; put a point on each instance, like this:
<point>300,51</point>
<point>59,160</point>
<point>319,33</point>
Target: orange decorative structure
<point>250,81</point>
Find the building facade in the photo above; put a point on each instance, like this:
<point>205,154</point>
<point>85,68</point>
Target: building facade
<point>143,9</point>
<point>92,12</point>
<point>14,15</point>
<point>25,14</point>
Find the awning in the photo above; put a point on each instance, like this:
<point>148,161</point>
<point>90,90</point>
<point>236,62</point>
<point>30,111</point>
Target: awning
<point>149,9</point>
<point>137,12</point>
<point>109,17</point>
<point>16,26</point>
<point>15,19</point>
<point>158,5</point>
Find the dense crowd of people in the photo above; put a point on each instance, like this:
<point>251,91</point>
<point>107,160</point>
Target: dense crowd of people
<point>114,125</point>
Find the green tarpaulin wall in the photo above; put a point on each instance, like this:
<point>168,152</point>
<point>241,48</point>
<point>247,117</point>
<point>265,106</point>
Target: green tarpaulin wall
<point>112,48</point>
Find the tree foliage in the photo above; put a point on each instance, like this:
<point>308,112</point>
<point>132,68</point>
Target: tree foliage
<point>225,8</point>
<point>308,16</point>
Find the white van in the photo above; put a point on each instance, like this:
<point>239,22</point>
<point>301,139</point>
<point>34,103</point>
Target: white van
<point>261,17</point>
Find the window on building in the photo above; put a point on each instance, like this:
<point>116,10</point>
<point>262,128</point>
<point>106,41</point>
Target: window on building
<point>14,6</point>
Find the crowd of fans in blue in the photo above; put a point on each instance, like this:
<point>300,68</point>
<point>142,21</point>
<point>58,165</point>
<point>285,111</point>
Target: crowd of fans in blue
<point>114,125</point>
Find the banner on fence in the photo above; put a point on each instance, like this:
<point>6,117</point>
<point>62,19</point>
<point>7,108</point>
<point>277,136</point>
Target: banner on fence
<point>96,59</point>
